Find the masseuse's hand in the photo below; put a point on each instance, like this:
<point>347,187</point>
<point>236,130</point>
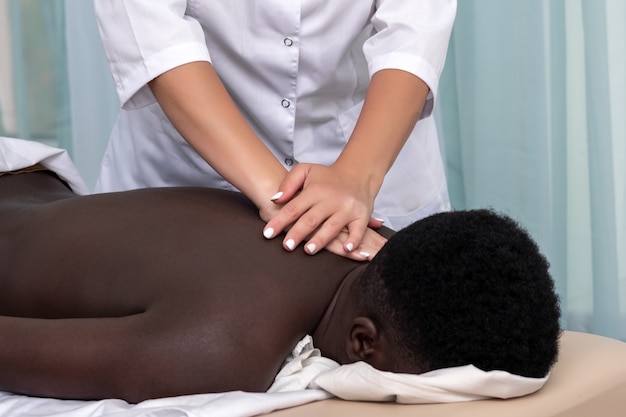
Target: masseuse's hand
<point>371,243</point>
<point>322,202</point>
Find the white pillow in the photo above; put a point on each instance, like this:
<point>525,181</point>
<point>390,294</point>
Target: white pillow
<point>359,381</point>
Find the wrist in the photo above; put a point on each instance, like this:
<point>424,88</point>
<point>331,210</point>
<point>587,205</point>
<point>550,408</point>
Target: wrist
<point>367,176</point>
<point>261,193</point>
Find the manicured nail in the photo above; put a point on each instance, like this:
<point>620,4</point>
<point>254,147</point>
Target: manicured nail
<point>365,254</point>
<point>277,196</point>
<point>290,244</point>
<point>268,233</point>
<point>311,248</point>
<point>349,247</point>
<point>380,220</point>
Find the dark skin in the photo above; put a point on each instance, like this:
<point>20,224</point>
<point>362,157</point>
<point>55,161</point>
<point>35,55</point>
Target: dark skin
<point>161,292</point>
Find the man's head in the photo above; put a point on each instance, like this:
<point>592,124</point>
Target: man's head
<point>465,287</point>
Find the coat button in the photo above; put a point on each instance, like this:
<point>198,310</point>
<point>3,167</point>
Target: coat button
<point>285,103</point>
<point>287,42</point>
<point>289,161</point>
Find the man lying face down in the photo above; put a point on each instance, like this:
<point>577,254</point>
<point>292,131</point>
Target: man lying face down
<point>163,292</point>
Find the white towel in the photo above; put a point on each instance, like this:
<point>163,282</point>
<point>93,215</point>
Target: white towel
<point>19,154</point>
<point>228,404</point>
<point>359,381</point>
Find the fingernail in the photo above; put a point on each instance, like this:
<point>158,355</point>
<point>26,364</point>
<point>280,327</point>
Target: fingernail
<point>290,244</point>
<point>365,254</point>
<point>277,196</point>
<point>311,248</point>
<point>349,247</point>
<point>380,220</point>
<point>268,233</point>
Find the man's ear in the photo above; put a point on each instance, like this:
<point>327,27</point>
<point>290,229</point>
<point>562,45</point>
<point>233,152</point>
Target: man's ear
<point>363,343</point>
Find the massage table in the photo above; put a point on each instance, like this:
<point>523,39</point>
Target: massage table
<point>589,380</point>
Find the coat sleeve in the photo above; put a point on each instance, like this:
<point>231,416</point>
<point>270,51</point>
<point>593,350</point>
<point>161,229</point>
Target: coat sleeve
<point>412,35</point>
<point>145,38</point>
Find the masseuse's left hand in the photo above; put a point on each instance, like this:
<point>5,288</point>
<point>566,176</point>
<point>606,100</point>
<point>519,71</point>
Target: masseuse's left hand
<point>322,202</point>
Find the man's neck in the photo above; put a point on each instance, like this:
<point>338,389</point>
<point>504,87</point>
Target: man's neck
<point>334,327</point>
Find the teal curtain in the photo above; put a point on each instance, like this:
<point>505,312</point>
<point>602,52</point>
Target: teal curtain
<point>531,112</point>
<point>93,100</point>
<point>34,101</point>
<point>532,117</point>
<point>55,86</point>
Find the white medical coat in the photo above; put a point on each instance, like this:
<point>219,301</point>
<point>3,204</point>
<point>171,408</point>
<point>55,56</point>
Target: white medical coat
<point>297,70</point>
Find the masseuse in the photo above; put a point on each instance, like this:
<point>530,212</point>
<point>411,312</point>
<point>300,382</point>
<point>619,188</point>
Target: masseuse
<point>233,95</point>
<point>125,295</point>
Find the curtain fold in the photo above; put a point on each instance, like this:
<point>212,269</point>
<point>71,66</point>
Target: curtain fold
<point>602,181</point>
<point>33,102</point>
<point>94,103</point>
<point>532,119</point>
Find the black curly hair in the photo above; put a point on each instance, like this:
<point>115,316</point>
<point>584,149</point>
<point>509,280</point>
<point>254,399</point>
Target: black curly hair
<point>466,287</point>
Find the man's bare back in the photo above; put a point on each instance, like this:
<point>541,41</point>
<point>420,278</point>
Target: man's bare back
<point>151,290</point>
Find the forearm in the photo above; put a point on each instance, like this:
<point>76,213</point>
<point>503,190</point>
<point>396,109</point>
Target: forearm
<point>392,107</point>
<point>199,106</point>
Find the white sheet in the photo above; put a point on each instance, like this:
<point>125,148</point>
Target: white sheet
<point>229,404</point>
<point>19,154</point>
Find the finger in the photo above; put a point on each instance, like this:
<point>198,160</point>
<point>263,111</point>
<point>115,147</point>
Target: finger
<point>285,217</point>
<point>375,223</point>
<point>336,246</point>
<point>372,244</point>
<point>305,226</point>
<point>356,231</point>
<point>330,228</point>
<point>367,250</point>
<point>291,184</point>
